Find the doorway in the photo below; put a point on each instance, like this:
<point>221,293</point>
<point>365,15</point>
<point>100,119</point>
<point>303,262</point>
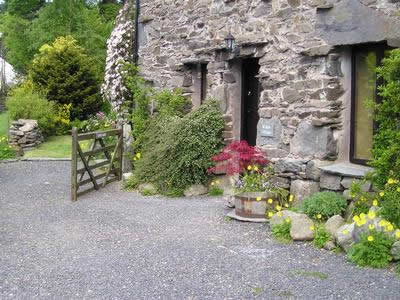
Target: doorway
<point>250,100</point>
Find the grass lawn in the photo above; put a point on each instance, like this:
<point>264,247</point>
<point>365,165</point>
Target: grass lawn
<point>3,123</point>
<point>53,147</point>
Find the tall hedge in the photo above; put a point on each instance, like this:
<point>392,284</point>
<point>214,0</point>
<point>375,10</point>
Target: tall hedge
<point>65,74</point>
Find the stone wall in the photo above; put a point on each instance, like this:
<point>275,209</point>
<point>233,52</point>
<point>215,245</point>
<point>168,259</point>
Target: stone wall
<point>25,134</point>
<point>304,52</point>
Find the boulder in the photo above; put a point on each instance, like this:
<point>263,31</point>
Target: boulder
<point>301,229</point>
<point>396,251</point>
<point>344,236</point>
<point>329,245</point>
<point>330,182</point>
<point>333,224</point>
<point>195,190</point>
<point>147,188</point>
<point>302,189</point>
<point>277,219</point>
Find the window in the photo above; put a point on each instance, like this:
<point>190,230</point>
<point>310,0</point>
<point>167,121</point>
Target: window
<point>364,87</point>
<point>203,82</point>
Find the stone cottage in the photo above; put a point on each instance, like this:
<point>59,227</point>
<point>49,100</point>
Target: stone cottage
<point>293,83</point>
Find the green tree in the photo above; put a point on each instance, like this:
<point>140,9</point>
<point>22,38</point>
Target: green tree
<point>65,74</point>
<point>25,8</point>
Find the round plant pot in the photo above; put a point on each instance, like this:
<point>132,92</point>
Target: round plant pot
<point>247,206</point>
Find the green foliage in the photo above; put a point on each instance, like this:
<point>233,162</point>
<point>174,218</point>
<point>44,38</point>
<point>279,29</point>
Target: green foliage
<point>23,103</point>
<point>390,202</point>
<point>215,191</point>
<point>25,34</point>
<point>362,200</point>
<point>177,151</point>
<point>324,205</point>
<point>171,103</point>
<point>64,73</point>
<point>6,151</point>
<point>372,252</point>
<point>282,231</point>
<point>109,11</point>
<point>322,236</point>
<point>26,8</point>
<point>386,145</point>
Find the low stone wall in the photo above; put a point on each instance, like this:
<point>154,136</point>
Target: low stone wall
<point>25,134</point>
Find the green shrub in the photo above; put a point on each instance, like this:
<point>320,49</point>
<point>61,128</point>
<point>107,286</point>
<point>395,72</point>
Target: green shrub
<point>324,205</point>
<point>171,103</point>
<point>215,191</point>
<point>362,200</point>
<point>322,236</point>
<point>373,250</point>
<point>6,151</point>
<point>282,231</point>
<point>390,202</point>
<point>177,151</point>
<point>22,103</point>
<point>65,74</point>
<point>386,143</point>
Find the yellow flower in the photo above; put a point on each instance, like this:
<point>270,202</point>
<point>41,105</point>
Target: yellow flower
<point>291,198</point>
<point>213,183</point>
<point>382,223</point>
<point>363,198</point>
<point>217,182</point>
<point>370,238</point>
<point>398,189</point>
<point>371,226</point>
<point>287,220</point>
<point>371,215</point>
<point>312,227</point>
<point>362,216</point>
<point>135,158</point>
<point>356,219</point>
<point>270,201</point>
<point>255,168</point>
<point>319,216</point>
<point>258,198</point>
<point>397,234</point>
<point>352,195</point>
<point>375,203</point>
<point>270,214</point>
<point>279,214</point>
<point>286,205</point>
<point>278,207</point>
<point>381,194</point>
<point>138,155</point>
<point>345,231</point>
<point>391,181</point>
<point>249,168</point>
<point>389,227</point>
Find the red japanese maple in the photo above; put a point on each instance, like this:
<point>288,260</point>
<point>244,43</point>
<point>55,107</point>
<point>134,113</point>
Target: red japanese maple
<point>236,157</point>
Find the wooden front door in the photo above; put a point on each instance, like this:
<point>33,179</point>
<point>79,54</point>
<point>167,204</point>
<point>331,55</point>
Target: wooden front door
<point>250,100</point>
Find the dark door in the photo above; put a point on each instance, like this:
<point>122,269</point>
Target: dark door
<point>250,99</point>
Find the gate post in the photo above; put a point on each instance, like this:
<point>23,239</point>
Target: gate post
<point>74,165</point>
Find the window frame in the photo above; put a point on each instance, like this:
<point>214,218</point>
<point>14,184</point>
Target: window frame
<point>379,49</point>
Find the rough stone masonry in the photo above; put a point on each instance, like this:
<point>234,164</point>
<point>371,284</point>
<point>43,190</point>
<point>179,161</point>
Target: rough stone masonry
<point>303,48</point>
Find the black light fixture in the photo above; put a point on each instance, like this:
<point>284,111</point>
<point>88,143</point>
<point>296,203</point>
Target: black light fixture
<point>230,42</point>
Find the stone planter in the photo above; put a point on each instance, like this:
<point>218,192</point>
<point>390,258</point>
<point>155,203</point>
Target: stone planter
<point>247,208</point>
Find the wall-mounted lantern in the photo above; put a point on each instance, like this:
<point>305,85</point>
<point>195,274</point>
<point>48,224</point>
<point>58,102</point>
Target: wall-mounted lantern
<point>230,42</point>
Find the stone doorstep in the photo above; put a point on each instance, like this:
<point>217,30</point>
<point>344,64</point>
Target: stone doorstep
<point>346,169</point>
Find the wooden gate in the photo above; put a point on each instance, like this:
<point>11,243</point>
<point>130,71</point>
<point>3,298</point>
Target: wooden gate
<point>98,166</point>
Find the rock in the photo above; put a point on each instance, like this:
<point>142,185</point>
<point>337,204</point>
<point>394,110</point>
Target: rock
<point>344,236</point>
<point>126,176</point>
<point>29,125</point>
<point>290,95</point>
<point>269,131</point>
<point>277,220</point>
<point>396,251</point>
<point>301,229</point>
<point>290,166</point>
<point>333,224</point>
<point>302,189</point>
<point>312,170</point>
<point>329,245</point>
<point>349,211</point>
<point>330,182</point>
<point>316,142</point>
<point>230,201</point>
<point>348,181</point>
<point>195,190</point>
<point>147,188</point>
<point>281,182</point>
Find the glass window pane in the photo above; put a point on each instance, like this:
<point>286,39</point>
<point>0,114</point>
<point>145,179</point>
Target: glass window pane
<point>365,89</point>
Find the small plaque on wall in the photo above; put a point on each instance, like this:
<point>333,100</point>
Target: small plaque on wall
<point>267,130</point>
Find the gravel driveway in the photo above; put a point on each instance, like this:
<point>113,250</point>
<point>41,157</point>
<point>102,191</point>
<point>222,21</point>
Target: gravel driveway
<point>118,245</point>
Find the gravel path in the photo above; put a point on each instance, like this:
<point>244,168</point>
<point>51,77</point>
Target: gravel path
<point>118,245</point>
